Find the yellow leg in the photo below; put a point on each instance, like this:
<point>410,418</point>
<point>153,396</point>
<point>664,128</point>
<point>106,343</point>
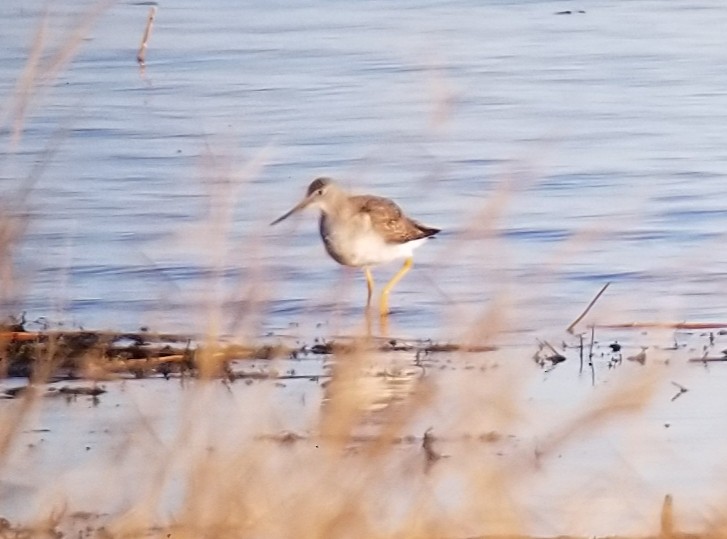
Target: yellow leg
<point>384,326</point>
<point>369,285</point>
<point>384,305</point>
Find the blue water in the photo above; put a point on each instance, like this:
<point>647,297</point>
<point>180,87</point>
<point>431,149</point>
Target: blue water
<point>556,152</point>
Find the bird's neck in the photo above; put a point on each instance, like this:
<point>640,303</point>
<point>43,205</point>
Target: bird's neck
<point>335,204</point>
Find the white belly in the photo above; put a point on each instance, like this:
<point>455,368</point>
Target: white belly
<point>360,246</point>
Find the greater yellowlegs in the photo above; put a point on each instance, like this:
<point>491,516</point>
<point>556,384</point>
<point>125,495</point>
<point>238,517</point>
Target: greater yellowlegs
<point>363,231</point>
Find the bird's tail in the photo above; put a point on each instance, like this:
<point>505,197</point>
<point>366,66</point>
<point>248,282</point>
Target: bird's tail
<point>427,231</point>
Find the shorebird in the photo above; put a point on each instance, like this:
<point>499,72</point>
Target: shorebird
<point>363,231</point>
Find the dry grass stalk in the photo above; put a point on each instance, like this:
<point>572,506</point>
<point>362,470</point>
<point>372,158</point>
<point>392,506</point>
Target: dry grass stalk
<point>13,224</point>
<point>345,404</point>
<point>41,70</point>
<point>13,419</point>
<point>667,525</point>
<point>141,55</point>
<point>25,86</point>
<point>632,397</point>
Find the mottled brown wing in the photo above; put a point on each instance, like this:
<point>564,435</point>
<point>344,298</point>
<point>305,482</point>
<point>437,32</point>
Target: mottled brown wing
<point>390,221</point>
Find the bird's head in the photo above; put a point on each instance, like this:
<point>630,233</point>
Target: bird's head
<point>319,193</point>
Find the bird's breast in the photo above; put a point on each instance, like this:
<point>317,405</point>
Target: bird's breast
<point>353,242</point>
<point>340,240</point>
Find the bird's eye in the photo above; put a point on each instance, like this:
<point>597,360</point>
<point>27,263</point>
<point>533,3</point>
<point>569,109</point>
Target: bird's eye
<point>319,192</point>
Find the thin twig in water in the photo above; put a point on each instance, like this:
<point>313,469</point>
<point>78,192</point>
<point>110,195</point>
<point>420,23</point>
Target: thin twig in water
<point>430,453</point>
<point>665,325</point>
<point>555,357</point>
<point>706,359</point>
<point>681,391</point>
<point>590,355</point>
<point>141,55</point>
<point>588,308</point>
<point>580,369</point>
<point>550,347</point>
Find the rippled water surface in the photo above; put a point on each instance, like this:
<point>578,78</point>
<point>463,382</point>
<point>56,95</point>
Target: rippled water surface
<point>556,152</point>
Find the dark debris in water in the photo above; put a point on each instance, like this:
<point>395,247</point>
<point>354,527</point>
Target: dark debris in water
<point>426,440</point>
<point>591,352</point>
<point>65,355</point>
<point>57,355</point>
<point>393,345</point>
<point>65,391</point>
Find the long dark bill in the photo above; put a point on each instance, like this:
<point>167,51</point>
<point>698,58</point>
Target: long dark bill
<point>301,205</point>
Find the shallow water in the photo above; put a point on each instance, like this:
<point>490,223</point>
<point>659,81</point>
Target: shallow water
<point>524,447</point>
<point>557,152</point>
